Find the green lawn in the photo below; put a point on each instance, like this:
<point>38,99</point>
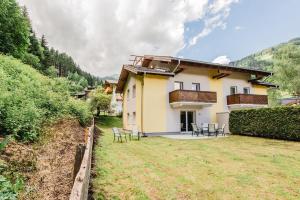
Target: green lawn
<point>227,168</point>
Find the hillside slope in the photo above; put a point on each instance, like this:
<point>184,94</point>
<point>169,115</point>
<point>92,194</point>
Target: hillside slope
<point>28,100</point>
<point>265,59</point>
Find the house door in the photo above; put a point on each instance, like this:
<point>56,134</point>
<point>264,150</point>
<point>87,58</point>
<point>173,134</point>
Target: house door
<point>186,118</point>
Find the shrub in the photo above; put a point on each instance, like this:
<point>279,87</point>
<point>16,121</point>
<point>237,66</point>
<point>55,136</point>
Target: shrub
<point>277,122</point>
<point>81,110</point>
<point>28,100</point>
<point>9,190</point>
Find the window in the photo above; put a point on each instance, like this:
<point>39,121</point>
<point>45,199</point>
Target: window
<point>133,117</point>
<point>233,89</point>
<point>128,116</point>
<point>246,90</point>
<point>196,86</point>
<point>178,85</point>
<point>128,94</point>
<point>133,91</point>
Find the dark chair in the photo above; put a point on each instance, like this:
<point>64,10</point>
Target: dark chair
<point>212,129</point>
<point>204,128</point>
<point>221,130</point>
<point>195,129</point>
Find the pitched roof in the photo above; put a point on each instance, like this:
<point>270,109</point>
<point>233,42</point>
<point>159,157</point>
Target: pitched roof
<point>138,70</point>
<point>258,82</point>
<point>148,58</point>
<point>145,61</point>
<point>111,81</point>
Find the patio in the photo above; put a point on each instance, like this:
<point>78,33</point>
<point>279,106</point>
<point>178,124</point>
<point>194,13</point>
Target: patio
<point>192,137</point>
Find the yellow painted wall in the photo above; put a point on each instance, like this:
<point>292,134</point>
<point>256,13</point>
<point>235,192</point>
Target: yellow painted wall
<point>259,89</point>
<point>155,103</point>
<point>216,85</point>
<point>125,120</point>
<point>138,83</point>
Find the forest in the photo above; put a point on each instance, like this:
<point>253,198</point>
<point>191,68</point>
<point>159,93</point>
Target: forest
<point>18,39</point>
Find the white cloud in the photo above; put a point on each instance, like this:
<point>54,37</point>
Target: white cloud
<point>222,60</point>
<point>100,35</point>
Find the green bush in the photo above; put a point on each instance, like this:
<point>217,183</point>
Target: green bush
<point>9,190</point>
<point>278,122</point>
<point>28,100</point>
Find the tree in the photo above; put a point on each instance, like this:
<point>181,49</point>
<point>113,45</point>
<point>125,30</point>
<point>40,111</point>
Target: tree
<point>46,62</point>
<point>287,70</point>
<point>51,72</point>
<point>14,29</point>
<point>100,101</point>
<point>32,60</point>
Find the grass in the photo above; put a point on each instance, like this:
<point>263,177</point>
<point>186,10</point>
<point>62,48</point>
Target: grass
<point>236,167</point>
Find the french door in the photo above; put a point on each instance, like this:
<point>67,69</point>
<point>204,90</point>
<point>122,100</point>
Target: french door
<point>186,118</point>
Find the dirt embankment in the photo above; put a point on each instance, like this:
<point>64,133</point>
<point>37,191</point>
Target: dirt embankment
<point>48,165</point>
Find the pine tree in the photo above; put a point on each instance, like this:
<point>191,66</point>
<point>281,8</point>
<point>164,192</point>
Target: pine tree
<point>46,62</point>
<point>14,32</point>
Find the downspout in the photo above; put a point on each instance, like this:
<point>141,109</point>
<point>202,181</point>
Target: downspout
<point>142,101</point>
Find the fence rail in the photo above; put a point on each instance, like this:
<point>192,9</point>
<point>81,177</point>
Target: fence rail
<point>82,178</point>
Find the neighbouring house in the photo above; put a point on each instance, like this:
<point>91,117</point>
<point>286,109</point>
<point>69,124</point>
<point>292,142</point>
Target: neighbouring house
<point>290,101</point>
<point>116,99</point>
<point>164,95</point>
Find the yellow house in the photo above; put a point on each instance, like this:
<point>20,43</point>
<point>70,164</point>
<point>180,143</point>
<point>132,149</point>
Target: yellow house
<point>164,95</point>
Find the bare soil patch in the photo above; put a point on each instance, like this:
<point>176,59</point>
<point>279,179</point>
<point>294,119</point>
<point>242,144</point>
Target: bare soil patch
<point>48,165</point>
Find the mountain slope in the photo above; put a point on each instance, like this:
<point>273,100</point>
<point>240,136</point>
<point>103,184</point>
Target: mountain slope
<point>265,59</point>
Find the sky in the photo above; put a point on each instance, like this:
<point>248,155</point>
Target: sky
<point>102,34</point>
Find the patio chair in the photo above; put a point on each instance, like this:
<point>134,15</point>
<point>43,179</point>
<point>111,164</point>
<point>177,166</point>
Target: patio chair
<point>195,131</point>
<point>204,128</point>
<point>221,130</point>
<point>212,129</point>
<point>118,135</point>
<point>134,133</point>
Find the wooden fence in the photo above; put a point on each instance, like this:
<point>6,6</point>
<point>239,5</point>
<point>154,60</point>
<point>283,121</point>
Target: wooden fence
<point>82,167</point>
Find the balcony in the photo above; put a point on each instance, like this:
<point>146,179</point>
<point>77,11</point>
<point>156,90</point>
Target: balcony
<point>179,98</point>
<point>253,99</point>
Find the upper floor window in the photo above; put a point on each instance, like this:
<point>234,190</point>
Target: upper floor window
<point>128,94</point>
<point>178,85</point>
<point>246,90</point>
<point>133,91</point>
<point>233,89</point>
<point>133,117</point>
<point>196,86</point>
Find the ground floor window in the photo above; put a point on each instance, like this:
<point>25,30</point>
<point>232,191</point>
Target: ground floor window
<point>246,90</point>
<point>186,118</point>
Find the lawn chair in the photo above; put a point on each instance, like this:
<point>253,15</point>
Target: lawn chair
<point>195,129</point>
<point>204,128</point>
<point>118,135</point>
<point>212,129</point>
<point>134,133</point>
<point>221,130</point>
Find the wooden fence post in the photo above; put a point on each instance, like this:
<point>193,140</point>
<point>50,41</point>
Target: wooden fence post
<point>78,158</point>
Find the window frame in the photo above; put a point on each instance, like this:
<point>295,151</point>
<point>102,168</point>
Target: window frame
<point>128,94</point>
<point>133,117</point>
<point>133,91</point>
<point>235,90</point>
<point>180,85</point>
<point>198,86</point>
<point>248,89</point>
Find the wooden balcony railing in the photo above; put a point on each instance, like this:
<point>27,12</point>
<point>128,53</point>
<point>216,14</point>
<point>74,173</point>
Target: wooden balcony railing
<point>247,99</point>
<point>192,96</point>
